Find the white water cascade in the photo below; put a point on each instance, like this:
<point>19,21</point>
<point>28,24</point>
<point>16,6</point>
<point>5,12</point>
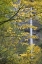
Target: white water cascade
<point>31,31</point>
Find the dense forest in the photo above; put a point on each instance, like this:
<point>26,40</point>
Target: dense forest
<point>20,31</point>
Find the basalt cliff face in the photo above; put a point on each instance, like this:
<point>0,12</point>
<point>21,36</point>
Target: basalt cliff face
<point>37,32</point>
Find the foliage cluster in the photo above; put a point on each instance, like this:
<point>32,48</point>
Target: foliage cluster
<point>14,47</point>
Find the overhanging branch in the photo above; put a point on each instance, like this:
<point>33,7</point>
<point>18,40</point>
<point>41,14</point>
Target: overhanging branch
<point>11,17</point>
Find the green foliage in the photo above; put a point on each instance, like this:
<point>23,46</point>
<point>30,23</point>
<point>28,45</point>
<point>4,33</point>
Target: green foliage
<point>12,49</point>
<point>9,55</point>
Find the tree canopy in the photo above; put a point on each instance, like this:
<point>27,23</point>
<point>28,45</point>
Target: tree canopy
<point>10,9</point>
<point>15,27</point>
